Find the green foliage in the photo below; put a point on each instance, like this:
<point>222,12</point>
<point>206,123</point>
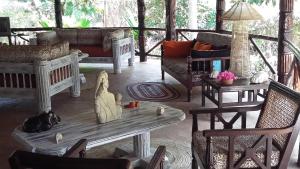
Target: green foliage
<point>84,23</point>
<point>182,14</point>
<point>84,12</point>
<point>44,24</point>
<point>155,15</point>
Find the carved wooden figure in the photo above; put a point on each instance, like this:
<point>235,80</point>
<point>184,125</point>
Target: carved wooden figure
<point>107,108</point>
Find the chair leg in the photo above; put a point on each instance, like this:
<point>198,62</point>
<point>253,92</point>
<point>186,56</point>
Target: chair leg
<point>194,163</point>
<point>162,75</point>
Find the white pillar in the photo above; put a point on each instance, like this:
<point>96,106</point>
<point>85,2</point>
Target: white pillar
<point>42,69</point>
<point>75,88</point>
<point>141,145</point>
<point>116,56</point>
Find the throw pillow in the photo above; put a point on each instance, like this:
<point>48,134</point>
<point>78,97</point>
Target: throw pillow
<point>202,46</point>
<point>177,48</point>
<point>115,35</point>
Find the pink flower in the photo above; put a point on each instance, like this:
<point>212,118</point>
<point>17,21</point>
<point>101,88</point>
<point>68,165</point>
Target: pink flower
<point>226,75</point>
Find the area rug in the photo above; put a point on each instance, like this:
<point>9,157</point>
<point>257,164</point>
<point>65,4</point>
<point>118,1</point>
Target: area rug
<point>178,153</point>
<point>152,91</point>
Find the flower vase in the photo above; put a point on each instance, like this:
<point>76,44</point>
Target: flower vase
<point>227,82</point>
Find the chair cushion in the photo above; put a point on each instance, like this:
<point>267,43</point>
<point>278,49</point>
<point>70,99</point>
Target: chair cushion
<point>47,38</point>
<point>177,65</point>
<point>220,150</point>
<point>93,51</point>
<point>202,46</point>
<point>107,40</point>
<point>177,49</point>
<point>89,37</point>
<point>31,53</point>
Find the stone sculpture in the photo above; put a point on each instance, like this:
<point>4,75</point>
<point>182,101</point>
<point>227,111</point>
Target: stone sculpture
<point>107,108</point>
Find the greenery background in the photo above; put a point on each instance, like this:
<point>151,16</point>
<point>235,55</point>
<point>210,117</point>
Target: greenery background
<point>118,13</point>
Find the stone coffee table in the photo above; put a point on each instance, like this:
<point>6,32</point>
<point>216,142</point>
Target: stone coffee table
<point>136,123</point>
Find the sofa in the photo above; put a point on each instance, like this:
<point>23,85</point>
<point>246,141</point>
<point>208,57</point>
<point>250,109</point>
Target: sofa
<point>188,65</point>
<point>38,71</point>
<point>109,45</point>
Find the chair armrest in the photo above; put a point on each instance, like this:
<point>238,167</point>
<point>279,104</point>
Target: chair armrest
<point>244,132</point>
<point>158,158</point>
<point>225,110</point>
<point>78,150</point>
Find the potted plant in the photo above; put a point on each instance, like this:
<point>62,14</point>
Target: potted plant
<point>226,77</point>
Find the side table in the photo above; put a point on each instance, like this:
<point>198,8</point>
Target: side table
<point>211,87</point>
<point>214,91</point>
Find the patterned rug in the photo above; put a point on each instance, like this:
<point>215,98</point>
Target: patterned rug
<point>178,155</point>
<point>152,91</point>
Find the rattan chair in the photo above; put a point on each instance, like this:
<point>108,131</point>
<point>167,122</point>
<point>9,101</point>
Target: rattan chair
<point>29,160</point>
<point>268,145</point>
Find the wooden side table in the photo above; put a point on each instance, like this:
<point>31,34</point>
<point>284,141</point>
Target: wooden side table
<point>214,91</point>
<point>211,87</point>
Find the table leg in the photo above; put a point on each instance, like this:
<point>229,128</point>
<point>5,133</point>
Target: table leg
<point>141,145</point>
<point>203,95</point>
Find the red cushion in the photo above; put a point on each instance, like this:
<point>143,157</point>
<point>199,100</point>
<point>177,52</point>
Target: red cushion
<point>93,51</point>
<point>177,49</point>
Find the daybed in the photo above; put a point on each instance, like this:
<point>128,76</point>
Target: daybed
<point>108,45</point>
<point>189,65</point>
<point>31,71</point>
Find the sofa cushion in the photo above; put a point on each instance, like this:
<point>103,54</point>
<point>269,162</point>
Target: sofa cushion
<point>93,51</point>
<point>89,37</point>
<point>107,40</point>
<point>213,38</point>
<point>177,49</point>
<point>202,46</point>
<point>31,53</point>
<point>69,35</point>
<point>47,38</point>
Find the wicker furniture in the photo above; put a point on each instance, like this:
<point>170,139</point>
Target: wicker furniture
<point>268,145</point>
<point>38,72</point>
<point>107,45</point>
<point>23,159</point>
<point>183,69</point>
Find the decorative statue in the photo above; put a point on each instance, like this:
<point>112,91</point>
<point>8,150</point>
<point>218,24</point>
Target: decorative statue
<point>107,108</point>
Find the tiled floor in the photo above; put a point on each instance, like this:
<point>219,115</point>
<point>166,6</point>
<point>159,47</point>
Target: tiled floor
<point>13,112</point>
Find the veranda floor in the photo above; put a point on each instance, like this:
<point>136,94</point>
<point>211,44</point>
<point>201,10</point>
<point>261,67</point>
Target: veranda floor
<point>13,112</point>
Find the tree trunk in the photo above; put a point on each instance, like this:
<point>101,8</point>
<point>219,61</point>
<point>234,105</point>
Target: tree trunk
<point>141,19</point>
<point>170,19</point>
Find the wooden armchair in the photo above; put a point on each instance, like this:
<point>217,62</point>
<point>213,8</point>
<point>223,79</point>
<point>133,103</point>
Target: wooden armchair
<point>24,159</point>
<point>268,145</point>
<point>189,66</point>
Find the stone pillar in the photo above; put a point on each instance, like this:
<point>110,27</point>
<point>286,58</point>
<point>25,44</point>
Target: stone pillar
<point>42,69</point>
<point>75,88</point>
<point>285,56</point>
<point>116,58</point>
<point>170,19</point>
<point>141,145</point>
<point>132,51</point>
<point>220,8</point>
